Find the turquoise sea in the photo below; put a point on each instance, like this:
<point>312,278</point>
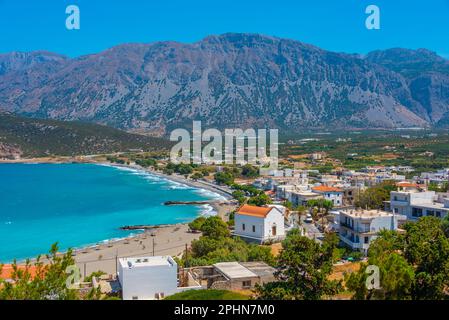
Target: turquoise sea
<point>83,204</point>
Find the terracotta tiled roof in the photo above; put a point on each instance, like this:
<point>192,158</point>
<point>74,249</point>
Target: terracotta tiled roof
<point>326,189</point>
<point>7,270</point>
<point>407,184</point>
<point>254,211</point>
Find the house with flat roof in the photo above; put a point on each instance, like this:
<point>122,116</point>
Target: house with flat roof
<point>149,278</point>
<point>358,228</point>
<point>260,224</point>
<point>242,275</point>
<point>415,203</point>
<point>233,275</point>
<point>300,198</point>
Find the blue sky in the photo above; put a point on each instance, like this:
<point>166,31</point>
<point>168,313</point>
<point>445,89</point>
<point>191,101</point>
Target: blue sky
<point>337,25</point>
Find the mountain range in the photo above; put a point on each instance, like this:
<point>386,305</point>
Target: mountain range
<point>230,80</point>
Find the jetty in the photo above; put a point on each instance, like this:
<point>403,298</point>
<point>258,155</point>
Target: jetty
<point>192,203</point>
<point>146,227</point>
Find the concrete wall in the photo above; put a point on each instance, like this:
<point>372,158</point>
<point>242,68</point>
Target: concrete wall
<point>249,222</point>
<point>143,282</point>
<point>263,226</point>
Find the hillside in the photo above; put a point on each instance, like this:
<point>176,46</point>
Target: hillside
<point>229,80</point>
<point>427,76</point>
<point>35,137</point>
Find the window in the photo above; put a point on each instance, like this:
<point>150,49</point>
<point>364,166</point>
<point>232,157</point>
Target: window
<point>396,210</point>
<point>416,212</point>
<point>273,230</point>
<point>254,228</point>
<point>243,227</point>
<point>395,198</point>
<point>246,284</point>
<point>366,240</point>
<point>438,214</point>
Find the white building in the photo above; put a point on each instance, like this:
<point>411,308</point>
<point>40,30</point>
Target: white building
<point>415,203</point>
<point>359,227</point>
<point>150,278</point>
<point>330,193</point>
<point>300,198</point>
<point>259,224</point>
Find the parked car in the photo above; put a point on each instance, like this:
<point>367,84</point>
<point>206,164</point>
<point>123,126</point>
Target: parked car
<point>308,218</point>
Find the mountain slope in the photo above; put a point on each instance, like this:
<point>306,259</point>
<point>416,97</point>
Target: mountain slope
<point>35,137</point>
<point>226,81</point>
<point>427,76</point>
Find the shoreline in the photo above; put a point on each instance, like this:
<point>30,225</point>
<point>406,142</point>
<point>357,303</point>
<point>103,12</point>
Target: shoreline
<point>168,239</point>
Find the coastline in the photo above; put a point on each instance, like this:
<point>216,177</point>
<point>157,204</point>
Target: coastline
<point>169,239</point>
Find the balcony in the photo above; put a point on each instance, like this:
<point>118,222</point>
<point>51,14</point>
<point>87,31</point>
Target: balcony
<point>346,225</point>
<point>357,229</point>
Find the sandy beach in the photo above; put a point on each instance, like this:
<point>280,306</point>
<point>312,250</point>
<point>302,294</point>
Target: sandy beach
<point>170,240</point>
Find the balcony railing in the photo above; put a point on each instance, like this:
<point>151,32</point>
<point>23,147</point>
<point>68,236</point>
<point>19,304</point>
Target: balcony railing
<point>346,225</point>
<point>355,229</point>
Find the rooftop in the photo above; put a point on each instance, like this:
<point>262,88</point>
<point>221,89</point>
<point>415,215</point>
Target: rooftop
<point>234,270</point>
<point>146,261</point>
<point>306,193</point>
<point>406,184</point>
<point>260,268</point>
<point>326,189</point>
<point>7,271</point>
<point>366,213</point>
<point>254,211</point>
<point>433,205</point>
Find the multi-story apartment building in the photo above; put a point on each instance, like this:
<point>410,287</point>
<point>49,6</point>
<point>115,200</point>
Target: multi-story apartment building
<point>415,203</point>
<point>358,228</point>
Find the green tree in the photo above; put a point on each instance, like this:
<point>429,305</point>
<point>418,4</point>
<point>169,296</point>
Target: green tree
<point>250,171</point>
<point>331,241</point>
<point>260,200</point>
<point>215,227</point>
<point>445,225</point>
<point>224,178</point>
<point>239,196</point>
<point>48,283</point>
<point>303,272</point>
<point>288,205</point>
<point>196,176</point>
<point>320,204</point>
<point>412,266</point>
<point>374,197</point>
<point>427,248</point>
<point>438,188</point>
<point>396,277</point>
<point>197,224</point>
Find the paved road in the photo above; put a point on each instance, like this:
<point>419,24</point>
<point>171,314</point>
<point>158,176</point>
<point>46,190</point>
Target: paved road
<point>312,231</point>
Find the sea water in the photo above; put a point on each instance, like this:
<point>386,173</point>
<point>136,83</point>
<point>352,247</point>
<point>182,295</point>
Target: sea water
<point>78,205</point>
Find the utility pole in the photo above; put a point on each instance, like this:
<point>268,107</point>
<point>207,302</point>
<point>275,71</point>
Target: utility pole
<point>116,262</point>
<point>186,260</point>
